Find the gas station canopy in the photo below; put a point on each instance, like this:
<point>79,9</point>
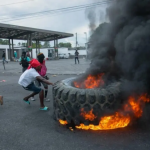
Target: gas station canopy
<point>8,31</point>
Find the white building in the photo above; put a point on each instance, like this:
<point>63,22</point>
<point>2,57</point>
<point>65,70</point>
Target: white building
<point>48,52</point>
<point>7,52</point>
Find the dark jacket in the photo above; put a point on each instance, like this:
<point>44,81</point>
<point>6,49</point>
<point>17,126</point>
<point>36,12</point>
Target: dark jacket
<point>76,54</point>
<point>3,55</point>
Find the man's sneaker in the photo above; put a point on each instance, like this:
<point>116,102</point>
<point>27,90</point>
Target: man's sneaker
<point>47,99</point>
<point>32,99</point>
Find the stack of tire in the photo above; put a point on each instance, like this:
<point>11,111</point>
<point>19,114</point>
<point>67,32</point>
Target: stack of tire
<point>68,101</point>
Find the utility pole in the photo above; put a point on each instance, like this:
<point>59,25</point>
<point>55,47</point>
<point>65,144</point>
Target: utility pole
<point>76,41</point>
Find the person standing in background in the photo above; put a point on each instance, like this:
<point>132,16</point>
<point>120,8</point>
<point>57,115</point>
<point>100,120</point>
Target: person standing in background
<point>15,55</point>
<point>28,54</point>
<point>4,56</point>
<point>24,61</point>
<point>76,56</point>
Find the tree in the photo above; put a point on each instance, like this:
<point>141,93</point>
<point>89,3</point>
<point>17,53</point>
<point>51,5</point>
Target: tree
<point>4,42</point>
<point>68,45</point>
<point>46,44</point>
<point>24,44</point>
<point>33,44</point>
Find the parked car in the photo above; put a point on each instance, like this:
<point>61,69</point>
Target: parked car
<point>63,55</point>
<point>66,56</point>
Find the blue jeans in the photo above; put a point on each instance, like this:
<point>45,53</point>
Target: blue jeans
<point>4,60</point>
<point>33,88</point>
<point>76,58</point>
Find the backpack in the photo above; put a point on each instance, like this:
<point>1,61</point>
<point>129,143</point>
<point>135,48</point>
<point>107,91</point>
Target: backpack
<point>24,62</point>
<point>43,70</point>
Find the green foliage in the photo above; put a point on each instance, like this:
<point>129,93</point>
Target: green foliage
<point>4,42</point>
<point>68,45</point>
<point>46,44</point>
<point>78,48</point>
<point>33,44</point>
<point>23,44</point>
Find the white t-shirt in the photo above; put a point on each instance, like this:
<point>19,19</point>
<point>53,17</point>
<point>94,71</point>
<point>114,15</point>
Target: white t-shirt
<point>28,77</point>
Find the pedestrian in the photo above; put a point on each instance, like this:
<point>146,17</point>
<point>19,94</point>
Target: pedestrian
<point>1,99</point>
<point>15,55</point>
<point>4,57</point>
<point>76,56</point>
<point>28,54</point>
<point>42,72</point>
<point>24,61</point>
<point>27,82</point>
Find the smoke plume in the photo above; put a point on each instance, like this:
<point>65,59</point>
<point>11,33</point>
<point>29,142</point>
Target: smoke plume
<point>121,48</point>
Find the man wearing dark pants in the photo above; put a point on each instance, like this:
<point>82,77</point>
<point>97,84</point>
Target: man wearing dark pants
<point>4,57</point>
<point>76,56</point>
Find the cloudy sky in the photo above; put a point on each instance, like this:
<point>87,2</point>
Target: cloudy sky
<point>75,21</point>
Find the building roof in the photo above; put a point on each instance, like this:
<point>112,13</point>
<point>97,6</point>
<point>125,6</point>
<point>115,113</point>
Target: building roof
<point>8,31</point>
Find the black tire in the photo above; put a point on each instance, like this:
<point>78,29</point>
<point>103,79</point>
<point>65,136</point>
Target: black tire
<point>69,100</point>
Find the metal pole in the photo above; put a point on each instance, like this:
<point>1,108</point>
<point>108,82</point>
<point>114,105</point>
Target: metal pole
<point>57,46</point>
<point>9,51</point>
<point>30,44</point>
<point>36,48</point>
<point>12,47</point>
<point>54,47</point>
<point>39,46</point>
<point>28,36</point>
<point>76,41</point>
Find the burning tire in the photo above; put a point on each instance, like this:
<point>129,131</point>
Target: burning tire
<point>71,103</point>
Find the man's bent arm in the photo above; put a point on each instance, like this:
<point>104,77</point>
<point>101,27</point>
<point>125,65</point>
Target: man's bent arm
<point>43,80</point>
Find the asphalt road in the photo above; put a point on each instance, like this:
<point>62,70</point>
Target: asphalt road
<point>24,127</point>
<point>61,66</point>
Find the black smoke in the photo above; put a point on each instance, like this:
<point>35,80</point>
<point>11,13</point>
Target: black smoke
<point>121,48</point>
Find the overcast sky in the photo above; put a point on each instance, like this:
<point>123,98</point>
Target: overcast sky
<point>70,22</point>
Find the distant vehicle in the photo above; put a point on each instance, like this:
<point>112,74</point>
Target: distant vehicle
<point>61,56</point>
<point>66,56</point>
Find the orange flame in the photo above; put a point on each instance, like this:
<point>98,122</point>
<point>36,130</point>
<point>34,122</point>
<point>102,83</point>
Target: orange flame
<point>108,122</point>
<point>135,105</point>
<point>120,119</point>
<point>63,122</point>
<point>88,115</point>
<point>91,82</point>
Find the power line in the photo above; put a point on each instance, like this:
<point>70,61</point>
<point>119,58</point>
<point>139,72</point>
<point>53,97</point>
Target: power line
<point>58,11</point>
<point>15,3</point>
<point>66,8</point>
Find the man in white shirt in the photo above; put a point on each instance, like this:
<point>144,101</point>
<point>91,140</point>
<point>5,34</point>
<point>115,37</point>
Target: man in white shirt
<point>26,81</point>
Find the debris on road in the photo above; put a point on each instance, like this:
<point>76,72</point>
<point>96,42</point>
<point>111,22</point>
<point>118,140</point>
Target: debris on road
<point>3,81</point>
<point>54,75</point>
